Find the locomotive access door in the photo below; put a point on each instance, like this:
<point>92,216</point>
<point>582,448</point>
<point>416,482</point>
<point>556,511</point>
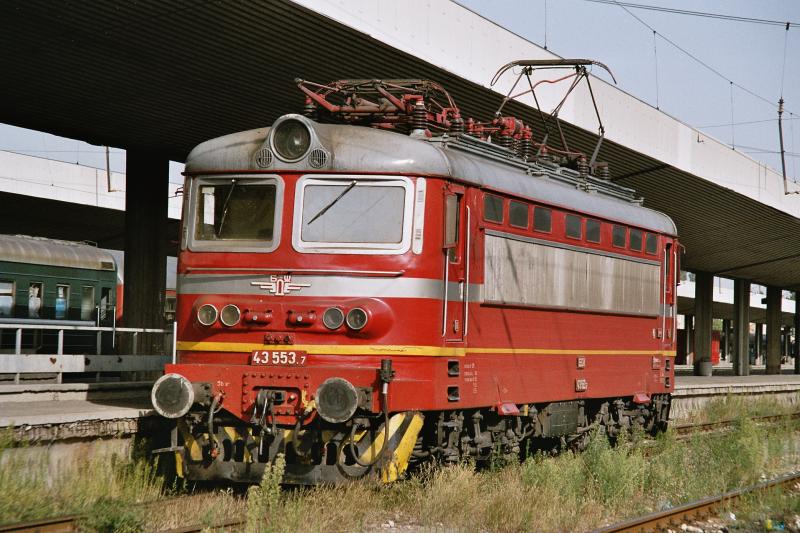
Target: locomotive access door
<point>456,261</point>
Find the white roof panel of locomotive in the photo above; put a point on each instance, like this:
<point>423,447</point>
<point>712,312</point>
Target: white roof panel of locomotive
<point>360,149</point>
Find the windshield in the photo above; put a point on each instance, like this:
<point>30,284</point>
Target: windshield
<point>235,209</point>
<point>357,212</point>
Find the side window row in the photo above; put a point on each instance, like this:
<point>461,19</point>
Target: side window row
<point>61,304</point>
<point>573,224</point>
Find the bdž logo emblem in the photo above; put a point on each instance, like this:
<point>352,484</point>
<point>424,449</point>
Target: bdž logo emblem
<point>280,285</point>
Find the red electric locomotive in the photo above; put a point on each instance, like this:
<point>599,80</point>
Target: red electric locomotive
<point>473,297</point>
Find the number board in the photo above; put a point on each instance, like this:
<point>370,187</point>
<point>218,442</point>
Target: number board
<point>278,357</point>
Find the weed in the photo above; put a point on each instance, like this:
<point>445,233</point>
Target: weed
<point>109,516</point>
<point>263,499</point>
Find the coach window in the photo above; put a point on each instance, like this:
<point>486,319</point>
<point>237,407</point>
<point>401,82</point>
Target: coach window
<point>493,208</point>
<point>650,244</point>
<point>6,298</point>
<point>62,301</point>
<point>542,219</point>
<point>573,226</point>
<point>618,234</point>
<point>87,303</point>
<point>592,230</point>
<point>636,240</point>
<point>105,302</point>
<point>35,294</point>
<point>518,214</point>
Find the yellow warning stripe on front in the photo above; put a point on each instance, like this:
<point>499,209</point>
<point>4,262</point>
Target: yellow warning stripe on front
<point>389,349</point>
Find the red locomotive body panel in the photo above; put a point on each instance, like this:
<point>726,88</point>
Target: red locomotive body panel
<point>513,354</point>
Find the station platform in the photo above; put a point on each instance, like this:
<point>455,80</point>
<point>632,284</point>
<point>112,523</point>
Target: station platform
<point>693,393</point>
<point>42,413</point>
<point>53,412</point>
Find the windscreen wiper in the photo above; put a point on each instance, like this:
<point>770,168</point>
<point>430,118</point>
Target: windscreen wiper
<point>324,209</point>
<point>225,208</point>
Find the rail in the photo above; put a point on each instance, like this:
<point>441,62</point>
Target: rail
<point>671,518</point>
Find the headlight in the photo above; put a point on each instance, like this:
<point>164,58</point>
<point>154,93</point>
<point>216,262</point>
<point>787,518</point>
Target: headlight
<point>291,140</point>
<point>207,314</point>
<point>230,315</point>
<point>357,318</point>
<point>333,318</point>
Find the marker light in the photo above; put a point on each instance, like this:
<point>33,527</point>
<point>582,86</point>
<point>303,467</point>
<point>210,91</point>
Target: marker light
<point>230,315</point>
<point>291,140</point>
<point>333,318</point>
<point>357,318</point>
<point>207,314</point>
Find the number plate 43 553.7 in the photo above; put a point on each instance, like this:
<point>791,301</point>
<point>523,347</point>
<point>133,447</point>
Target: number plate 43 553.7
<point>278,358</point>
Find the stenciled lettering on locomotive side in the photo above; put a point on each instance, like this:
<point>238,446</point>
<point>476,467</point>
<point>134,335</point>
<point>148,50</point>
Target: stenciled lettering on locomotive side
<point>279,285</point>
<point>471,376</point>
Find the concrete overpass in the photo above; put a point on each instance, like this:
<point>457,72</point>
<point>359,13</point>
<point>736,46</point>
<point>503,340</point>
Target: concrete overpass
<point>156,78</point>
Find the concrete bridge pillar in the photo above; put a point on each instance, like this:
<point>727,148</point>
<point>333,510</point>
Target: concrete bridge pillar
<point>759,341</point>
<point>703,302</point>
<point>146,192</point>
<point>797,332</point>
<point>774,330</point>
<point>741,327</point>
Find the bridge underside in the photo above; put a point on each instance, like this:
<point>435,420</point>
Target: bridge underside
<point>160,77</point>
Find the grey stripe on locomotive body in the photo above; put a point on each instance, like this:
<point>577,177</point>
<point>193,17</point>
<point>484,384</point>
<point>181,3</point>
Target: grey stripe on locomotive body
<point>360,149</point>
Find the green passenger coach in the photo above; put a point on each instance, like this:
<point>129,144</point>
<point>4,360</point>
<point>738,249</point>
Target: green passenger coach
<point>47,281</point>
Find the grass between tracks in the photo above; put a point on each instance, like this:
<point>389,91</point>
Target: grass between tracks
<point>567,492</point>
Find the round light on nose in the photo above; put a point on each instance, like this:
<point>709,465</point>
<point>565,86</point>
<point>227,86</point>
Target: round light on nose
<point>333,318</point>
<point>357,318</point>
<point>172,395</point>
<point>291,140</point>
<point>230,315</point>
<point>337,400</point>
<point>207,314</point>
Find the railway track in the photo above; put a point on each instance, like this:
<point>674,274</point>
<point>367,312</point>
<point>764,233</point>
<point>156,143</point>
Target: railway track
<point>697,510</point>
<point>685,430</point>
<point>63,524</point>
<point>70,524</point>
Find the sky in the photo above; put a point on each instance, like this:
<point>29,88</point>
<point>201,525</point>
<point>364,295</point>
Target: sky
<point>751,55</point>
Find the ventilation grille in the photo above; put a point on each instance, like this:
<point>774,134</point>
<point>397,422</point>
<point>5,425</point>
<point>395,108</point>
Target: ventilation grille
<point>317,158</point>
<point>263,158</point>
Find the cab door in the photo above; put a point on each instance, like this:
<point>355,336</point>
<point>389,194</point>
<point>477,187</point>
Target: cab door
<point>456,261</point>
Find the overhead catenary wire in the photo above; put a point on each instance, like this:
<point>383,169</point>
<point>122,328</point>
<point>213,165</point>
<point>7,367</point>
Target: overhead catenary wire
<point>545,24</point>
<point>733,127</point>
<point>655,57</point>
<point>719,16</point>
<point>783,69</point>
<point>689,54</point>
<point>747,122</point>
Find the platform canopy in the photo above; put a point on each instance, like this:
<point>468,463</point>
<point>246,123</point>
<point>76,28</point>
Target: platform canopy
<point>164,76</point>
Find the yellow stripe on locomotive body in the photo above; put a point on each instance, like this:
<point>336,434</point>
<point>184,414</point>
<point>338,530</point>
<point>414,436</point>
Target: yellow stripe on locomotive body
<point>384,350</point>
